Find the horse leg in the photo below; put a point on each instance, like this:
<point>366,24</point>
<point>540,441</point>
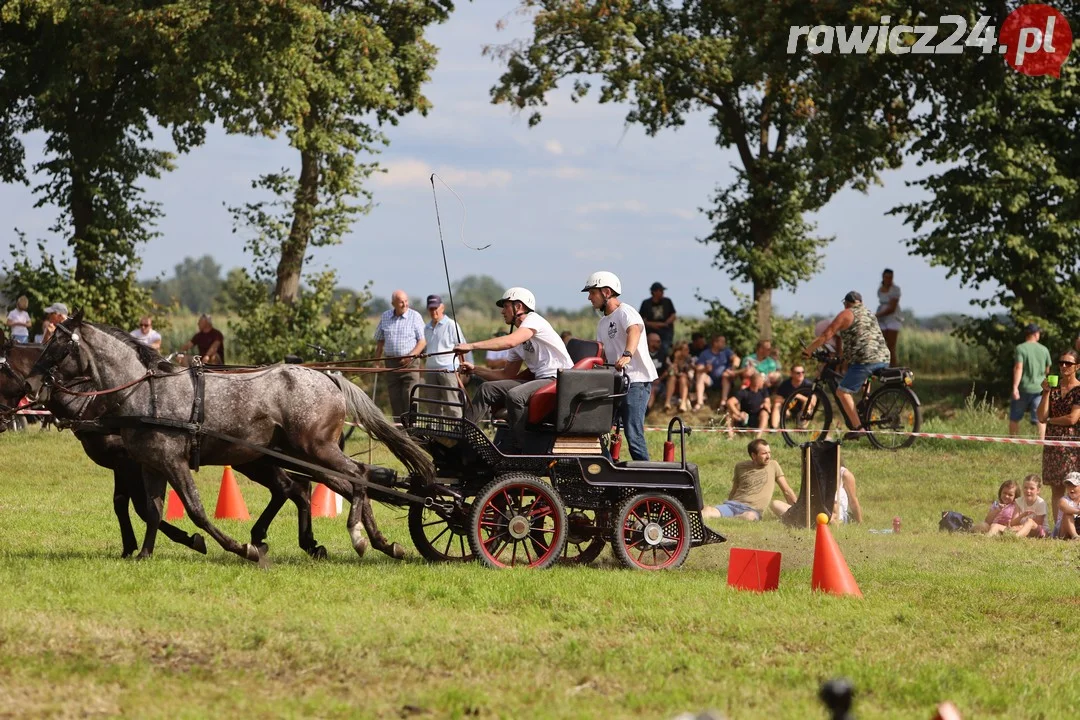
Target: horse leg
<point>120,507</point>
<point>180,479</point>
<point>367,517</point>
<point>131,477</point>
<point>283,486</point>
<point>155,502</point>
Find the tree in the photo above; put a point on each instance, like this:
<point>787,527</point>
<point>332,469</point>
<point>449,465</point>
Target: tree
<point>803,125</point>
<point>478,293</point>
<point>195,285</point>
<point>93,77</point>
<point>1006,207</point>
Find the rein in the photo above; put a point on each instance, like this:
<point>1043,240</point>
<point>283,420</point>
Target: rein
<point>95,393</point>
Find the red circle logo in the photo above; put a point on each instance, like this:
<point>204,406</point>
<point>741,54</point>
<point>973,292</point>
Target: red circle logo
<point>1036,40</point>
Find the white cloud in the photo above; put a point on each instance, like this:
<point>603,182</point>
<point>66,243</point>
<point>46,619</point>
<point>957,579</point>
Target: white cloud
<point>683,213</point>
<point>554,147</point>
<point>597,254</point>
<point>412,172</point>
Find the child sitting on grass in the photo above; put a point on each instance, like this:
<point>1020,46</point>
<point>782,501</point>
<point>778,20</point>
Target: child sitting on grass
<point>1068,509</point>
<point>1031,512</point>
<point>1001,510</point>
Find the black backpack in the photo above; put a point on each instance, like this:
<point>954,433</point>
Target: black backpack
<point>952,521</point>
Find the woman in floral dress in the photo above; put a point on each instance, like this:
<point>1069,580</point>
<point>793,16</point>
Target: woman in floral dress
<point>1059,408</point>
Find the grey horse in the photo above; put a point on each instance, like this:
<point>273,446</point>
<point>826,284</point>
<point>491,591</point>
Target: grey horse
<point>295,409</point>
<point>107,450</point>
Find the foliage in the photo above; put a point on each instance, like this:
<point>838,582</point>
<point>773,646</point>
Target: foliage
<point>477,293</point>
<point>45,280</point>
<point>265,329</point>
<point>803,125</point>
<point>194,285</point>
<point>1002,209</point>
<point>789,334</point>
<point>94,78</point>
<point>942,353</point>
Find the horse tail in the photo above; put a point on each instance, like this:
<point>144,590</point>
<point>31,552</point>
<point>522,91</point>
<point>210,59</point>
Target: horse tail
<point>367,414</point>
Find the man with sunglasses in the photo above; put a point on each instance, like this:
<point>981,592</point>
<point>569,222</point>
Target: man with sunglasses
<point>1031,364</point>
<point>146,334</point>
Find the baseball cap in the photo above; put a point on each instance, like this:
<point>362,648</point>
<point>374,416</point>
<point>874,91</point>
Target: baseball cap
<point>854,296</point>
<point>434,301</point>
<point>1072,478</point>
<point>1031,329</point>
<point>656,286</point>
<point>56,308</point>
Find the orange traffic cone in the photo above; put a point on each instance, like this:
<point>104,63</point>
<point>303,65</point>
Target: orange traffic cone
<point>323,502</point>
<point>174,509</point>
<point>831,573</point>
<point>230,503</point>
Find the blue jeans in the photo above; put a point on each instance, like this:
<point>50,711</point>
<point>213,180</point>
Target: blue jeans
<point>632,415</point>
<point>732,508</point>
<point>856,375</point>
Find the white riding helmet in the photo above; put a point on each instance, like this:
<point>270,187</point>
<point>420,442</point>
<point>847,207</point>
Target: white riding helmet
<point>602,279</point>
<point>519,294</point>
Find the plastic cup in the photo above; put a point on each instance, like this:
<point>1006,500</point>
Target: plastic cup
<point>1052,380</point>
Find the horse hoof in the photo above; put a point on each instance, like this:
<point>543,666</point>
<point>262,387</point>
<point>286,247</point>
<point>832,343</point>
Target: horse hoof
<point>251,552</point>
<point>318,553</point>
<point>198,544</point>
<point>263,547</point>
<point>127,553</point>
<point>360,545</point>
<point>397,551</point>
<point>142,556</point>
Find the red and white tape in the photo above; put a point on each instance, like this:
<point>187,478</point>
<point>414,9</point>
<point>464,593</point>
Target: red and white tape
<point>940,436</point>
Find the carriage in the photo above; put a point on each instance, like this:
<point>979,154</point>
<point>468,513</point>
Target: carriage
<point>564,500</point>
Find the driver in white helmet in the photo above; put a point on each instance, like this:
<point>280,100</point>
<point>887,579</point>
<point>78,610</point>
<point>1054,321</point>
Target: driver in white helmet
<point>622,333</point>
<point>532,341</point>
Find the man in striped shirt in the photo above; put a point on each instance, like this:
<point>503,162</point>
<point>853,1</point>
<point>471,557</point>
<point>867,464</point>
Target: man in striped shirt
<point>400,335</point>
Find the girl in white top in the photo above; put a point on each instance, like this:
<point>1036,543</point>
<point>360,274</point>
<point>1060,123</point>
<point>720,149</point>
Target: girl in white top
<point>888,312</point>
<point>19,320</point>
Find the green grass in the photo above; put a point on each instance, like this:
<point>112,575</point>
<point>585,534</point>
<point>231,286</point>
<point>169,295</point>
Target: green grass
<point>979,620</point>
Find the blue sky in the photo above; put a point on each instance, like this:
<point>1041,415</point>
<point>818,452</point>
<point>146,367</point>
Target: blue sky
<point>578,193</point>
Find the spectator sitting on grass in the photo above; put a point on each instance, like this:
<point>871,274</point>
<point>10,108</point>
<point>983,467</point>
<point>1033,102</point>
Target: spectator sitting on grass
<point>752,486</point>
<point>715,366</point>
<point>1068,509</point>
<point>678,376</point>
<point>846,507</point>
<point>764,361</point>
<point>750,407</point>
<point>786,389</point>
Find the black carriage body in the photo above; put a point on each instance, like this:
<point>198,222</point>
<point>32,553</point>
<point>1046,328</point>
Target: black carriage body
<point>466,461</point>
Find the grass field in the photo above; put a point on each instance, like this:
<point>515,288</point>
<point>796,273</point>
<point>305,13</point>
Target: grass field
<point>990,623</point>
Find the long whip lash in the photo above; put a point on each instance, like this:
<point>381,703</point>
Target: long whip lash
<point>446,267</point>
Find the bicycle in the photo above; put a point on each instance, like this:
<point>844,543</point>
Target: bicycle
<point>889,413</point>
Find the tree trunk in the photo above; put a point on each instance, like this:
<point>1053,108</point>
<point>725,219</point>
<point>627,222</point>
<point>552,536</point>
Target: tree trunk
<point>83,248</point>
<point>763,301</point>
<point>287,288</point>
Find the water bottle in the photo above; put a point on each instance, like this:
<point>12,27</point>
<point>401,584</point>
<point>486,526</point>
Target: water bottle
<point>896,524</point>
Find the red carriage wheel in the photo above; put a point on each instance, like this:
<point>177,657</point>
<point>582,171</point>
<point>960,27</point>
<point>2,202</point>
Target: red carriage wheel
<point>518,521</point>
<point>652,532</point>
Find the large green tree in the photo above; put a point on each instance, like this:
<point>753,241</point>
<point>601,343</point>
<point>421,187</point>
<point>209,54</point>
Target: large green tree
<point>802,125</point>
<point>1002,207</point>
<point>94,78</point>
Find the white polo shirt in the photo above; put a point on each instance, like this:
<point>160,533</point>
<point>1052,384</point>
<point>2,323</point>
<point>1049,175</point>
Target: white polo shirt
<point>611,333</point>
<point>544,353</point>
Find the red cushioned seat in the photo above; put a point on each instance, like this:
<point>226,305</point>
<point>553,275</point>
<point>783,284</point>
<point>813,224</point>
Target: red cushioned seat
<point>542,402</point>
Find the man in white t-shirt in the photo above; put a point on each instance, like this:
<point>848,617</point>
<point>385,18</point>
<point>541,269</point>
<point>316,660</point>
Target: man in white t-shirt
<point>532,341</point>
<point>146,334</point>
<point>621,331</point>
<point>18,320</point>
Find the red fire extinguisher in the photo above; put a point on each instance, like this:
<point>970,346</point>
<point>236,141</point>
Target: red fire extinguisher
<point>616,447</point>
<point>669,451</point>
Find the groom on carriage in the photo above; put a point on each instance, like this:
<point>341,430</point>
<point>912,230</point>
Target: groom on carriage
<point>532,341</point>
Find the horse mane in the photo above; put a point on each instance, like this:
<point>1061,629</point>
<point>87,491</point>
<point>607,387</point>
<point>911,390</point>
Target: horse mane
<point>148,356</point>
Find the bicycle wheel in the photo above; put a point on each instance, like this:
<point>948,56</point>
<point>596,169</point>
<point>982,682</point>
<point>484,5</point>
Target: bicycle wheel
<point>806,417</point>
<point>894,411</point>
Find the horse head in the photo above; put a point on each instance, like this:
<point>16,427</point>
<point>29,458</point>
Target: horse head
<point>60,358</point>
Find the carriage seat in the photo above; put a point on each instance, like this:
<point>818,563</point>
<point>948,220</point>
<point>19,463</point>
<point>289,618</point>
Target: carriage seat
<point>582,353</point>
